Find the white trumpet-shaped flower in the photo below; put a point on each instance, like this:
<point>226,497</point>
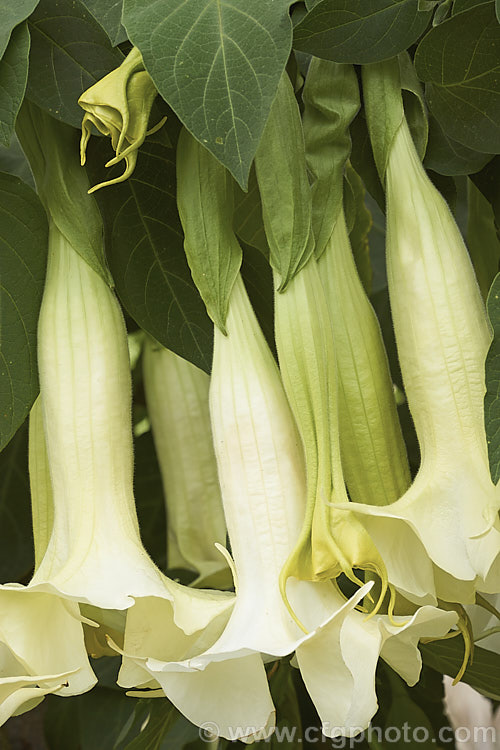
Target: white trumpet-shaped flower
<point>95,555</point>
<point>177,398</point>
<point>88,551</point>
<point>261,469</point>
<point>450,512</point>
<point>32,666</point>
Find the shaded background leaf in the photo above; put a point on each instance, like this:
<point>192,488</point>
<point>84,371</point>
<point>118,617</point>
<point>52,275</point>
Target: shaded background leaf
<point>492,397</point>
<point>460,61</point>
<point>483,674</point>
<point>145,251</point>
<point>11,14</point>
<point>449,157</point>
<point>109,14</point>
<point>148,492</point>
<point>13,161</point>
<point>360,31</point>
<point>482,238</point>
<point>16,538</point>
<point>13,77</point>
<point>23,258</point>
<point>69,53</point>
<point>217,64</point>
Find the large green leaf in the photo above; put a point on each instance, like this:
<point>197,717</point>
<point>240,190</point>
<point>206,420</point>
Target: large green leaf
<point>13,77</point>
<point>460,61</point>
<point>16,538</point>
<point>406,716</point>
<point>488,183</point>
<point>69,53</point>
<point>144,245</point>
<point>449,157</point>
<point>360,31</point>
<point>218,64</point>
<point>205,196</point>
<point>11,14</point>
<point>483,673</point>
<point>103,712</point>
<point>13,161</point>
<point>23,255</point>
<point>109,15</point>
<point>482,239</point>
<point>492,397</point>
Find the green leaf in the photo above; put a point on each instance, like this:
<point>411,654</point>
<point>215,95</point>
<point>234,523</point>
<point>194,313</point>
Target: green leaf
<point>61,723</point>
<point>359,228</point>
<point>449,157</point>
<point>11,14</point>
<point>109,14</point>
<point>497,10</point>
<point>248,222</point>
<point>205,196</point>
<point>16,538</point>
<point>258,278</point>
<point>331,97</point>
<point>52,151</point>
<point>488,183</point>
<point>103,713</point>
<point>13,161</point>
<point>287,709</point>
<point>218,64</point>
<point>360,31</point>
<point>149,498</point>
<point>407,717</point>
<point>23,257</point>
<point>69,53</point>
<point>482,239</point>
<point>362,159</point>
<point>384,108</point>
<point>144,246</point>
<point>13,77</point>
<point>460,61</point>
<point>459,6</point>
<point>492,397</point>
<point>158,718</point>
<point>483,674</point>
<point>280,166</point>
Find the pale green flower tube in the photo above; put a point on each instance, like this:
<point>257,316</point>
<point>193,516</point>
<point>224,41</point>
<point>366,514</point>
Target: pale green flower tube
<point>330,542</point>
<point>177,400</point>
<point>42,505</point>
<point>373,451</point>
<point>94,556</point>
<point>261,468</point>
<point>450,513</point>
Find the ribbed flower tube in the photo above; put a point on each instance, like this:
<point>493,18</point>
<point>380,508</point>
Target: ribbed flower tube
<point>261,469</point>
<point>373,452</point>
<point>331,541</point>
<point>95,555</point>
<point>177,399</point>
<point>450,513</point>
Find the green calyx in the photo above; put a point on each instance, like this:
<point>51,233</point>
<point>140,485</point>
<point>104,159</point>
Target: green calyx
<point>62,185</point>
<point>332,541</point>
<point>373,450</point>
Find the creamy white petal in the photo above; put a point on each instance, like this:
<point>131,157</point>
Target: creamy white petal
<point>443,336</point>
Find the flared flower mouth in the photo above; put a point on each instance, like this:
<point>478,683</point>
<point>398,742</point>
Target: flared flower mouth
<point>450,513</point>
